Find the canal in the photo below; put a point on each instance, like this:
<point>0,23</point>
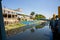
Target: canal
<point>34,32</point>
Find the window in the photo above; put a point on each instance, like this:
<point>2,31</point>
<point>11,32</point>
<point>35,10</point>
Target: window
<point>12,12</point>
<point>9,16</point>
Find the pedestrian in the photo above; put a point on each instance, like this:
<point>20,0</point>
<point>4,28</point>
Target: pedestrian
<point>54,27</point>
<point>52,24</point>
<point>58,36</point>
<point>56,24</point>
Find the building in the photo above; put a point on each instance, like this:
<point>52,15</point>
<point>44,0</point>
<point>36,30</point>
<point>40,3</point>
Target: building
<point>59,12</point>
<point>14,16</point>
<point>23,17</point>
<point>9,15</point>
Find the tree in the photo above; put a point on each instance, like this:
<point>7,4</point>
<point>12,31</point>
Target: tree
<point>32,13</point>
<point>39,16</point>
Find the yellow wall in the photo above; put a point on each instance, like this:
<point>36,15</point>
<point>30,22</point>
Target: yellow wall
<point>59,12</point>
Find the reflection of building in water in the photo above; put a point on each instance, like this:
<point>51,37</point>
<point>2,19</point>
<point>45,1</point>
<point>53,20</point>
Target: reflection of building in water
<point>9,15</point>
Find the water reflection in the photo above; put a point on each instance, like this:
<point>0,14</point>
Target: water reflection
<point>40,26</point>
<point>32,30</point>
<point>30,33</point>
<point>23,29</point>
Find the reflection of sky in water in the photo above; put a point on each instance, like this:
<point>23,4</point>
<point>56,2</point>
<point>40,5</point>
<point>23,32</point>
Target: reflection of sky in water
<point>38,34</point>
<point>28,22</point>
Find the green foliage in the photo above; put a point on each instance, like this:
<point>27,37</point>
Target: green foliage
<point>39,16</point>
<point>39,26</point>
<point>32,30</point>
<point>13,26</point>
<point>32,13</point>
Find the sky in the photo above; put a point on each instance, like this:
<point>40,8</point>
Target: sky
<point>44,7</point>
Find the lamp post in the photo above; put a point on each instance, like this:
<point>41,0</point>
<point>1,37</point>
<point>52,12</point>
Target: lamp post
<point>2,28</point>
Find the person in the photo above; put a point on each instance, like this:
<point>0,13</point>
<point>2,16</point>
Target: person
<point>52,24</point>
<point>56,24</point>
<point>54,27</point>
<point>58,36</point>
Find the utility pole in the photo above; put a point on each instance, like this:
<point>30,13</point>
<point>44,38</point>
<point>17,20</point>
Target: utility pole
<point>2,28</point>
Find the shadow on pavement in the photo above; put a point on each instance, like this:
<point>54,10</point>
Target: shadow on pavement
<point>56,36</point>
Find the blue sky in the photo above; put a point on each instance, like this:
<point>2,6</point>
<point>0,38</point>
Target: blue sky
<point>45,7</point>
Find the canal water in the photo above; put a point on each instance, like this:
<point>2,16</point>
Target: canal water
<point>34,32</point>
